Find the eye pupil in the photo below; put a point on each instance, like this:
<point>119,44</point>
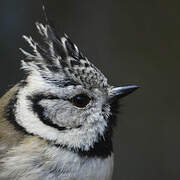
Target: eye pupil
<point>80,100</point>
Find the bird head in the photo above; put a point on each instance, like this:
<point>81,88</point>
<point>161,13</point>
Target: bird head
<point>66,99</point>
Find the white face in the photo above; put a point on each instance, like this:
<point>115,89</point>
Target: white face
<point>73,116</point>
<point>70,115</point>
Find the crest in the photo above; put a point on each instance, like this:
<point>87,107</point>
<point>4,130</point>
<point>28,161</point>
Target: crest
<point>59,59</point>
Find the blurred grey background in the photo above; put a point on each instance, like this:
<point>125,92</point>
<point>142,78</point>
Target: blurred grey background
<point>132,42</point>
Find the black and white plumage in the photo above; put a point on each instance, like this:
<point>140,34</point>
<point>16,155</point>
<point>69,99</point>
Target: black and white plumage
<point>57,123</point>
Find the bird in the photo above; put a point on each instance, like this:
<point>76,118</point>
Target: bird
<point>57,123</point>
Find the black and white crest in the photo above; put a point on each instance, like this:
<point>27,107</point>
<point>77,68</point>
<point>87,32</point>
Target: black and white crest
<point>60,59</point>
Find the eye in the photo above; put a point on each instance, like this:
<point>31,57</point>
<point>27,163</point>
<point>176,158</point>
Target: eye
<point>80,100</point>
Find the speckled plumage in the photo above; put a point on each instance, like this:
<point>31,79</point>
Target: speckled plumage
<point>61,57</point>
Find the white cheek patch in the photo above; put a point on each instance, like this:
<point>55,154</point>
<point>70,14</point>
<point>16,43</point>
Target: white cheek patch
<point>83,137</point>
<point>61,112</point>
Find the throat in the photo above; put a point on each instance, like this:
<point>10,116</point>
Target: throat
<point>103,148</point>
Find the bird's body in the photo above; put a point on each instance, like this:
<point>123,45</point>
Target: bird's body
<point>57,123</point>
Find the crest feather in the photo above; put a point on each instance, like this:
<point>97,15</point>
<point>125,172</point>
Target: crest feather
<point>59,56</point>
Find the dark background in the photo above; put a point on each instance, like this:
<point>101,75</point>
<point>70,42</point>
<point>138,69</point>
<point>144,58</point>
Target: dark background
<point>132,42</point>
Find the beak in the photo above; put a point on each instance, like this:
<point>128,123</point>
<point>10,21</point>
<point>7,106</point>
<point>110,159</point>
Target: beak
<point>120,92</point>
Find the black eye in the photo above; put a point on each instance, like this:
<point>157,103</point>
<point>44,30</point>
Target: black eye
<point>81,100</point>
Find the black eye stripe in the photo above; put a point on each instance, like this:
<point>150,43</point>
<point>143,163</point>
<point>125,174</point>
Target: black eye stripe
<point>51,97</point>
<point>39,97</point>
<point>39,110</point>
